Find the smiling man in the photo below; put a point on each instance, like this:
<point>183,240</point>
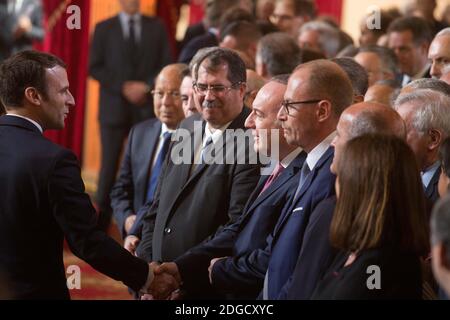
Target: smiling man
<point>147,146</point>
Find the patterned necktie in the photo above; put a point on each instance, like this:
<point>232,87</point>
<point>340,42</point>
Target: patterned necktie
<point>156,170</point>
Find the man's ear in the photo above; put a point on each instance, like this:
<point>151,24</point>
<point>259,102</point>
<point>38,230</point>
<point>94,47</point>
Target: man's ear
<point>32,96</point>
<point>435,139</point>
<point>324,110</point>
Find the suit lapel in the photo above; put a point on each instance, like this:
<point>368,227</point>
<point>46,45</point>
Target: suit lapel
<point>285,176</point>
<point>325,157</point>
<point>150,138</point>
<point>433,182</point>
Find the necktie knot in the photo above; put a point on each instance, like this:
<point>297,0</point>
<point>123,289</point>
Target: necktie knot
<point>276,172</point>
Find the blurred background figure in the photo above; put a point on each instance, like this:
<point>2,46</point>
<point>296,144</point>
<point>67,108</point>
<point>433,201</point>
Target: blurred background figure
<point>290,15</point>
<point>372,36</point>
<point>439,53</point>
<point>440,242</point>
<point>21,23</point>
<point>379,62</point>
<point>383,91</point>
<point>424,9</point>
<point>321,37</point>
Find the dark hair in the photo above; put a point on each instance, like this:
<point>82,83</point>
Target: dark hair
<point>419,28</point>
<point>23,70</point>
<point>387,57</point>
<point>266,27</point>
<point>304,8</point>
<point>357,74</point>
<point>444,156</point>
<point>381,200</point>
<point>215,10</point>
<point>217,57</point>
<point>279,52</point>
<point>235,14</point>
<point>246,34</point>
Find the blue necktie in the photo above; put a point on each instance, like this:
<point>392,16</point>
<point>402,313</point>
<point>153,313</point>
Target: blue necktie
<point>156,170</point>
<point>303,175</point>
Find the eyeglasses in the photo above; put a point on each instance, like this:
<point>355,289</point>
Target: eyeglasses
<point>216,90</point>
<point>288,105</point>
<point>160,94</point>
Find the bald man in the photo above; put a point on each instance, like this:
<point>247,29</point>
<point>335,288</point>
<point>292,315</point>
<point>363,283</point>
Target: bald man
<point>383,92</point>
<point>439,52</point>
<point>316,253</point>
<point>146,147</point>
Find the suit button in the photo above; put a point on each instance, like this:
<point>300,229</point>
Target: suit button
<point>167,230</point>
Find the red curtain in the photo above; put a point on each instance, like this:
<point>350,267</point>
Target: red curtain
<point>72,46</point>
<point>330,7</point>
<point>169,12</point>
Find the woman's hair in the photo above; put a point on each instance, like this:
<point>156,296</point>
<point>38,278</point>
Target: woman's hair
<point>381,200</point>
<point>444,155</point>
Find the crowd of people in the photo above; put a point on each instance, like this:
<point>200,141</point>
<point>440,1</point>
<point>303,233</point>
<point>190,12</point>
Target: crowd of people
<point>337,191</point>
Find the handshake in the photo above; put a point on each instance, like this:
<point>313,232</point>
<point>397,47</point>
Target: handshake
<point>166,282</point>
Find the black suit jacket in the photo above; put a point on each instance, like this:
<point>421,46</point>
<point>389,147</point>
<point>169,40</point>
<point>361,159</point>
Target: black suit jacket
<point>110,64</point>
<point>239,240</point>
<point>190,208</point>
<point>42,201</point>
<point>130,190</point>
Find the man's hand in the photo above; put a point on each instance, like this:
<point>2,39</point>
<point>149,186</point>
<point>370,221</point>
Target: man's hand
<point>170,268</point>
<point>131,243</point>
<point>24,25</point>
<point>164,283</point>
<point>135,92</point>
<point>129,221</point>
<point>211,265</point>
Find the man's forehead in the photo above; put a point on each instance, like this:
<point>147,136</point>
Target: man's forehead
<point>58,74</point>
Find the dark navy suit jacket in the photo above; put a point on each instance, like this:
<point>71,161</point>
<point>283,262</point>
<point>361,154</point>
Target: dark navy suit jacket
<point>129,193</point>
<point>237,241</point>
<point>289,233</point>
<point>316,254</point>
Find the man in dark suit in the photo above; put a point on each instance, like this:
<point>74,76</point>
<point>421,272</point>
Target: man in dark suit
<point>127,53</point>
<point>427,119</point>
<point>316,95</point>
<point>148,143</point>
<point>195,199</point>
<point>20,25</point>
<point>237,241</point>
<point>410,38</point>
<point>42,199</point>
<point>316,253</point>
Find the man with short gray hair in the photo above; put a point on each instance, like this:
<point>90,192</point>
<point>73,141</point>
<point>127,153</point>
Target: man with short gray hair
<point>440,243</point>
<point>427,117</point>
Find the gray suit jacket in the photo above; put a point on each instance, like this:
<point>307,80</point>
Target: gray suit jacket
<point>189,208</point>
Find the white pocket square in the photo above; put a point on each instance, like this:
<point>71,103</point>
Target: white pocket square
<point>297,209</point>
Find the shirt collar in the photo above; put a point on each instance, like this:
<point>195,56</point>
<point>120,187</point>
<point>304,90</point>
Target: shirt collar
<point>125,17</point>
<point>429,172</point>
<point>290,157</point>
<point>215,134</point>
<point>165,129</point>
<point>30,120</point>
<point>316,153</point>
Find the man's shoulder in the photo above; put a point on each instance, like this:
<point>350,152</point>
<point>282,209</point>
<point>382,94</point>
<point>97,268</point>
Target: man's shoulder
<point>147,124</point>
<point>107,23</point>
